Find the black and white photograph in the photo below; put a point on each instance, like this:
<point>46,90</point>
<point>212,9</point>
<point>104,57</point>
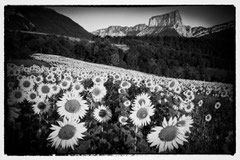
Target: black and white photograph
<point>119,80</point>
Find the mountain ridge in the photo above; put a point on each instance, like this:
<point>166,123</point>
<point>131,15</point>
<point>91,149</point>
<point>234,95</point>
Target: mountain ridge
<point>42,19</point>
<point>167,22</point>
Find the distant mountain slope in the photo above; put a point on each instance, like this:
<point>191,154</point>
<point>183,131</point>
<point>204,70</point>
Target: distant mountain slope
<point>226,34</point>
<point>42,19</point>
<point>169,24</point>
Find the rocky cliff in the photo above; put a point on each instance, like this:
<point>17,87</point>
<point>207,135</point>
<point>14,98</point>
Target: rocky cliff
<point>169,19</point>
<point>120,31</point>
<point>162,25</point>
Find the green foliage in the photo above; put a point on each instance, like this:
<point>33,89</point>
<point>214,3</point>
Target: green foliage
<point>175,57</point>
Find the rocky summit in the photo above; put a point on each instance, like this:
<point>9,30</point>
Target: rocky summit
<point>170,19</point>
<point>169,24</point>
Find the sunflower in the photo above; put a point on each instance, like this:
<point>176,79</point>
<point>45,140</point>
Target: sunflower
<point>32,77</point>
<point>50,77</point>
<point>178,89</point>
<point>122,91</point>
<point>11,71</point>
<point>17,95</point>
<point>217,105</point>
<point>67,133</point>
<point>45,90</point>
<point>54,80</point>
<point>200,103</point>
<point>98,80</point>
<point>55,89</point>
<point>141,114</point>
<point>98,92</point>
<point>125,84</point>
<point>224,93</point>
<point>26,84</point>
<point>10,85</point>
<point>158,88</point>
<point>38,79</point>
<point>208,92</point>
<point>189,107</point>
<point>32,96</point>
<point>149,84</point>
<point>167,136</point>
<point>189,94</point>
<point>102,113</point>
<point>123,120</point>
<point>185,122</point>
<point>172,84</point>
<point>68,78</point>
<point>208,117</point>
<point>54,69</point>
<point>65,84</point>
<point>142,99</point>
<point>41,106</point>
<point>117,77</point>
<point>127,103</point>
<point>77,87</point>
<point>71,105</point>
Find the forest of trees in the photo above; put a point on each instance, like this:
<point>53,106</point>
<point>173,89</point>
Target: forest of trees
<point>177,57</point>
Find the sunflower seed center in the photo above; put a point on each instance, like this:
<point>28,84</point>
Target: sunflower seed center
<point>64,83</point>
<point>102,113</point>
<point>124,84</point>
<point>168,134</point>
<point>77,87</point>
<point>141,101</point>
<point>18,94</point>
<point>172,84</point>
<point>142,113</point>
<point>96,91</point>
<point>42,106</point>
<point>26,84</point>
<point>45,89</point>
<point>33,95</point>
<point>67,132</point>
<point>98,80</point>
<point>72,106</point>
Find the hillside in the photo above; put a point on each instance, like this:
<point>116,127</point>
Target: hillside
<point>42,19</point>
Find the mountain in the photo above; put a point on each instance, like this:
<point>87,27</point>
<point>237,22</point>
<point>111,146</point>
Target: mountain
<point>42,19</point>
<point>169,24</point>
<point>215,29</point>
<point>120,31</point>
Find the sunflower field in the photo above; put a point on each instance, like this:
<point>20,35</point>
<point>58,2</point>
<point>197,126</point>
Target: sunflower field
<point>74,107</point>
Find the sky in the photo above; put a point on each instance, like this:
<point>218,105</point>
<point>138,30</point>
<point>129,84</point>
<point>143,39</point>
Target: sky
<point>92,18</point>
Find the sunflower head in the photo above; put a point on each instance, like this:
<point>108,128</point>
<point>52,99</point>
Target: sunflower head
<point>67,132</point>
<point>102,113</point>
<point>142,113</point>
<point>17,95</point>
<point>168,133</point>
<point>208,117</point>
<point>41,106</point>
<point>72,106</point>
<point>96,91</point>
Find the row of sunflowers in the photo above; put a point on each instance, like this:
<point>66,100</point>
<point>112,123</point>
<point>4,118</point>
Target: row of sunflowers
<point>75,107</point>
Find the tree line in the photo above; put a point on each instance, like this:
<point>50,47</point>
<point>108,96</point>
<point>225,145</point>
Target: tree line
<point>177,57</point>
